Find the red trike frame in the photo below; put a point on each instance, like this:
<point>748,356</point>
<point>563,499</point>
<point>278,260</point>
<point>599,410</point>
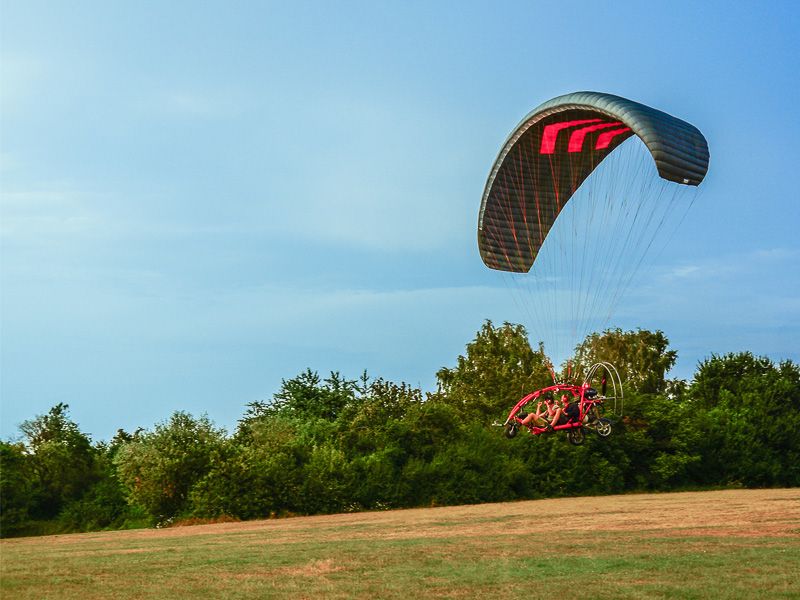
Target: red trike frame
<point>590,408</point>
<point>577,395</point>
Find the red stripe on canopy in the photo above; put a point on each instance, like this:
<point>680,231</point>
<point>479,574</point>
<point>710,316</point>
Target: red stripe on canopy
<point>578,136</point>
<point>551,134</point>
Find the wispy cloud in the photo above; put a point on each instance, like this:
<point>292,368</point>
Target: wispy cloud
<point>736,288</point>
<point>730,303</point>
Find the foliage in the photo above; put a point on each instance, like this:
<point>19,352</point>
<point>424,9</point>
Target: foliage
<point>333,445</point>
<point>103,505</point>
<point>15,488</point>
<point>499,367</point>
<point>748,410</point>
<point>159,468</point>
<point>56,480</point>
<point>641,357</point>
<point>257,479</point>
<point>61,461</point>
<point>306,396</point>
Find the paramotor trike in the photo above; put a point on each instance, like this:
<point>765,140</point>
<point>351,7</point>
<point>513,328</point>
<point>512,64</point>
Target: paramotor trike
<point>586,407</point>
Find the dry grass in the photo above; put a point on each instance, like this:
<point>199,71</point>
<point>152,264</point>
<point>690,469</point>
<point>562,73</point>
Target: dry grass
<point>722,544</point>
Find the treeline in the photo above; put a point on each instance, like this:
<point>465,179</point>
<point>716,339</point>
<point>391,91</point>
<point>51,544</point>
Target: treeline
<point>335,445</point>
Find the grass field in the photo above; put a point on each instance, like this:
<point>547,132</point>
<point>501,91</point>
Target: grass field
<point>721,544</point>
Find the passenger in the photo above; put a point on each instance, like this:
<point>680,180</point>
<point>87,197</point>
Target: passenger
<point>556,412</point>
<point>573,411</point>
<point>537,418</point>
<point>552,415</point>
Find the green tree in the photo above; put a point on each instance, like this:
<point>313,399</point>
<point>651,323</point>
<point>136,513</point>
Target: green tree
<point>657,437</point>
<point>158,469</point>
<point>16,488</point>
<point>305,396</point>
<point>653,432</point>
<point>745,420</point>
<point>365,425</point>
<point>642,357</point>
<point>260,474</point>
<point>62,461</point>
<point>499,367</point>
<point>103,505</point>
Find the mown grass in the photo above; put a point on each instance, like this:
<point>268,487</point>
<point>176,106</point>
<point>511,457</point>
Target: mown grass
<point>461,557</point>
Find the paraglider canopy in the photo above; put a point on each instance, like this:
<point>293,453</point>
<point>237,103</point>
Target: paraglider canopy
<point>551,153</point>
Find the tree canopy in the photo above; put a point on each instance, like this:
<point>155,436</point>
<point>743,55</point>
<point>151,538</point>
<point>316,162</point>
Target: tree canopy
<point>324,445</point>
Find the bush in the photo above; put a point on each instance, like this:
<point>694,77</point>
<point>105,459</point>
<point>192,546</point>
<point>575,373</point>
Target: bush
<point>158,469</point>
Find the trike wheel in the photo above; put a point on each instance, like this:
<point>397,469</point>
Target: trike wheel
<point>576,436</point>
<point>511,430</point>
<point>604,427</point>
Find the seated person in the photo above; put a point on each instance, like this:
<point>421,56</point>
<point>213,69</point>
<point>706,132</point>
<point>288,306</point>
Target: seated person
<point>537,418</point>
<point>552,414</point>
<point>573,411</point>
<point>556,412</point>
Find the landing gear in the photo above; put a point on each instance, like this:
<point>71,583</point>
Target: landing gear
<point>604,427</point>
<point>576,436</point>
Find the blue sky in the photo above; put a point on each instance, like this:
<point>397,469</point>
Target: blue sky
<point>200,199</point>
